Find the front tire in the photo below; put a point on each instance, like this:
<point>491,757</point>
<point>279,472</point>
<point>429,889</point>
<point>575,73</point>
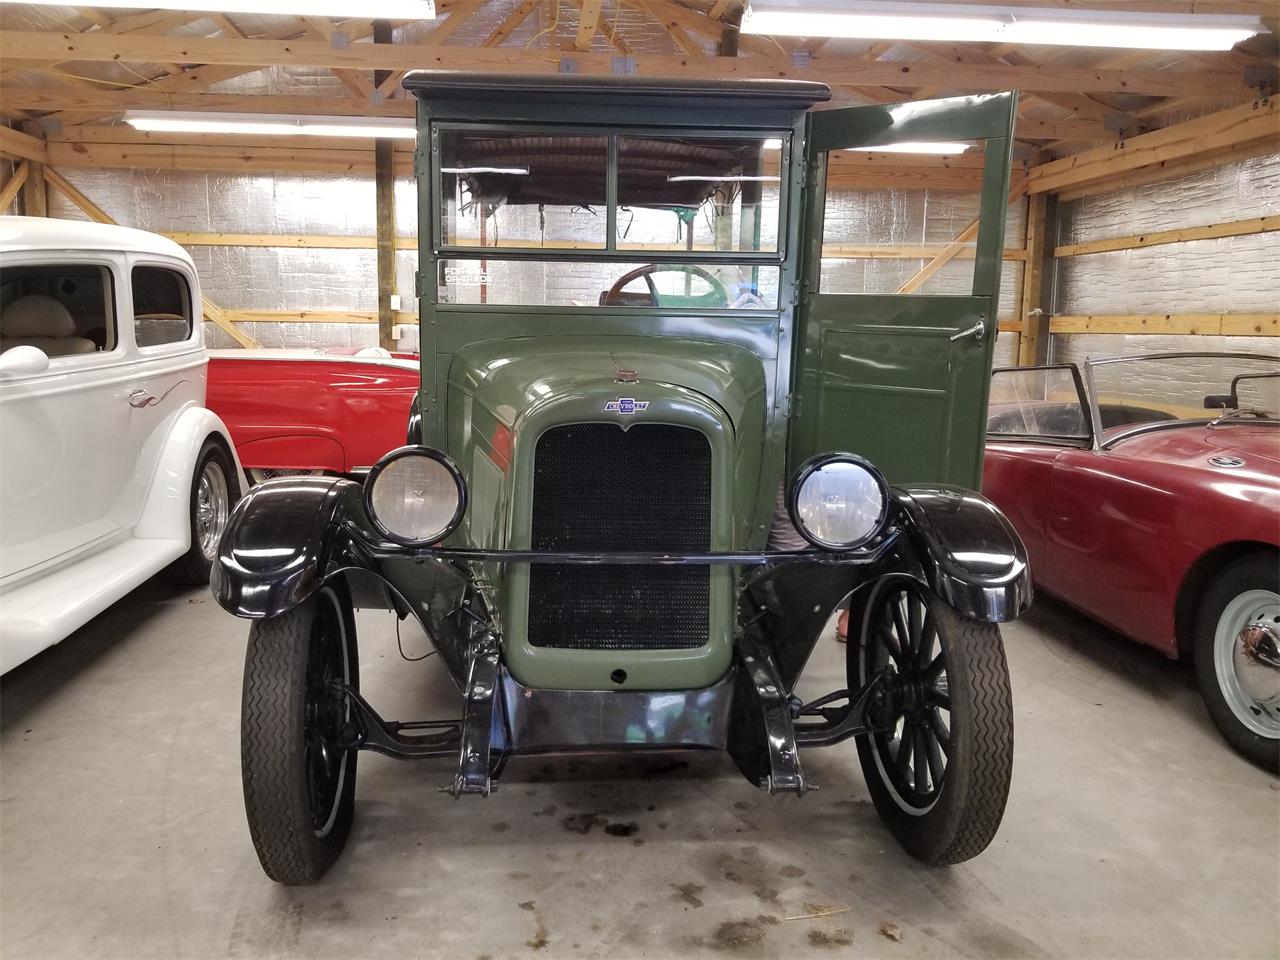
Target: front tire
<point>1237,657</point>
<point>939,775</point>
<point>299,786</point>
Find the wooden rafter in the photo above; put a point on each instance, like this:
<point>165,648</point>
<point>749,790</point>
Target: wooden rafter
<point>10,191</point>
<point>46,47</point>
<point>588,23</point>
<point>508,26</point>
<point>1225,129</point>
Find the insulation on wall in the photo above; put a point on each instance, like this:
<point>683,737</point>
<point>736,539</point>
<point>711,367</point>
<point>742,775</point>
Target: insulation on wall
<point>1225,275</point>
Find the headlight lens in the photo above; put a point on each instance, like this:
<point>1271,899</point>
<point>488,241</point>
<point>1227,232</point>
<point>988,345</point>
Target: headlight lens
<point>415,495</point>
<point>839,501</point>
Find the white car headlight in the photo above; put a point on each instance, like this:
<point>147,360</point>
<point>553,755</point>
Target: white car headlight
<point>415,496</point>
<point>839,501</point>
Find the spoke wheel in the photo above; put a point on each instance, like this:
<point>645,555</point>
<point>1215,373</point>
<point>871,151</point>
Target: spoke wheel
<point>939,768</point>
<point>1237,657</point>
<point>299,784</point>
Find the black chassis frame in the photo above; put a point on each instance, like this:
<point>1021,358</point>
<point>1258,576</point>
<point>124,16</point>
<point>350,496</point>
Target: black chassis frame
<point>288,537</point>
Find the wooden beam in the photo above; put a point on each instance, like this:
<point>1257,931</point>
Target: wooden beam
<point>68,190</point>
<point>1214,324</point>
<point>508,26</point>
<point>1172,169</point>
<point>1255,121</point>
<point>26,46</point>
<point>588,23</point>
<point>22,146</point>
<point>1033,341</point>
<point>16,180</point>
<point>1236,228</point>
<point>35,191</point>
<point>1033,128</point>
<point>313,316</point>
<point>219,318</point>
<point>952,250</point>
<point>225,159</point>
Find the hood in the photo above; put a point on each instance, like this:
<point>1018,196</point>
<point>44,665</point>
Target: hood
<point>1216,450</point>
<point>509,379</point>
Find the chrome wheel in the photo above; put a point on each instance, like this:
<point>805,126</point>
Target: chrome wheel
<point>1246,660</point>
<point>212,507</point>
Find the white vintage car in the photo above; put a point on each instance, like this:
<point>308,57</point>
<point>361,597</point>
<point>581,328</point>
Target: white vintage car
<point>111,468</point>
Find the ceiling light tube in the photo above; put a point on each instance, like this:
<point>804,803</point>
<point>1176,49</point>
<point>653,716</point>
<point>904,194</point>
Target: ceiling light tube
<point>340,9</point>
<point>285,125</point>
<point>998,24</point>
<point>690,178</point>
<point>514,171</point>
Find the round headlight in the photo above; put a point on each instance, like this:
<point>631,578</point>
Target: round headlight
<point>415,496</point>
<point>839,501</point>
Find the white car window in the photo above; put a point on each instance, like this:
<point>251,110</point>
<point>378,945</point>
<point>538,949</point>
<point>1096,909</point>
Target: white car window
<point>65,309</point>
<point>161,306</point>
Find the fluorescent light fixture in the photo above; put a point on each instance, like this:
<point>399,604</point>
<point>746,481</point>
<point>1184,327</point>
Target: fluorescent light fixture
<point>164,121</point>
<point>515,171</point>
<point>922,147</point>
<point>714,179</point>
<point>939,147</point>
<point>372,9</point>
<point>956,22</point>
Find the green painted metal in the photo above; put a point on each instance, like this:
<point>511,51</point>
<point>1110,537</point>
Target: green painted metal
<point>892,377</point>
<point>495,377</point>
<point>513,390</point>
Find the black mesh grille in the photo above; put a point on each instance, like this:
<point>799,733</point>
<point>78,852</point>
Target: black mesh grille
<point>597,487</point>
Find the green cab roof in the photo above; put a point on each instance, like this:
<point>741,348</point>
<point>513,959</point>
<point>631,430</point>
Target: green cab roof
<point>616,91</point>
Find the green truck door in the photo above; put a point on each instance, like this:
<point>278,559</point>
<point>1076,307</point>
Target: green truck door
<point>900,378</point>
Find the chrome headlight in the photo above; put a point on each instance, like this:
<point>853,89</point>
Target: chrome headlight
<point>839,501</point>
<point>415,496</point>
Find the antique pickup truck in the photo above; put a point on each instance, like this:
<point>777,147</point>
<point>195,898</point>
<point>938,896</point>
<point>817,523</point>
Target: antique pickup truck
<point>634,369</point>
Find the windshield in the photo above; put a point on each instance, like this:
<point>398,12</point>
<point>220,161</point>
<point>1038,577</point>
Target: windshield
<point>579,218</point>
<point>1188,387</point>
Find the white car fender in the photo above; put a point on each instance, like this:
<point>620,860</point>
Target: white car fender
<point>166,511</point>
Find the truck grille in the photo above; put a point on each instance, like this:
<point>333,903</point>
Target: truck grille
<point>597,487</point>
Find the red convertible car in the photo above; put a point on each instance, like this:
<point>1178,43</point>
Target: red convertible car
<point>1147,491</point>
<point>312,411</point>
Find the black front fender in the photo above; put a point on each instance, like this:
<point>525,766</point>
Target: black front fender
<point>276,549</point>
<point>968,551</point>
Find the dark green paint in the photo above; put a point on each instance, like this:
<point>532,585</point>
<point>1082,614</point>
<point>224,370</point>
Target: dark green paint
<point>495,377</point>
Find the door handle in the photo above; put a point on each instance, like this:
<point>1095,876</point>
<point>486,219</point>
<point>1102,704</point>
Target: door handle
<point>141,398</point>
<point>978,331</point>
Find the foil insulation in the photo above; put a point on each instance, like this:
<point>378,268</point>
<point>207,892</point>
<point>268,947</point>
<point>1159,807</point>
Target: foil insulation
<point>1223,275</point>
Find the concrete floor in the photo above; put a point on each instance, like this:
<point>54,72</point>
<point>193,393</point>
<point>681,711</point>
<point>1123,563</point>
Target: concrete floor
<point>1132,830</point>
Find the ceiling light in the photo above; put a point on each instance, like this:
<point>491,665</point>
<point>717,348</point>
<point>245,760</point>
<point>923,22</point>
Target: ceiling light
<point>514,171</point>
<point>726,179</point>
<point>922,147</point>
<point>959,22</point>
<point>164,121</point>
<point>341,9</point>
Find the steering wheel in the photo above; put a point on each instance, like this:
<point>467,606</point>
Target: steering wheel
<point>615,297</point>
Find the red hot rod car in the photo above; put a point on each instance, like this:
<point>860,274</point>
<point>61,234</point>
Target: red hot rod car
<point>312,411</point>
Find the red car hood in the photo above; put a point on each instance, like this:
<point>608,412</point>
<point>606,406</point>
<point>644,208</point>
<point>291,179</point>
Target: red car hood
<point>1258,445</point>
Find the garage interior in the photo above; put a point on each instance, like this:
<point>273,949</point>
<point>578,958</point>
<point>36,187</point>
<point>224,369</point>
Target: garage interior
<point>1143,218</point>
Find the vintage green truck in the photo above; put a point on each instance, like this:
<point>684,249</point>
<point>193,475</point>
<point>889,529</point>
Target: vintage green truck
<point>633,371</point>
